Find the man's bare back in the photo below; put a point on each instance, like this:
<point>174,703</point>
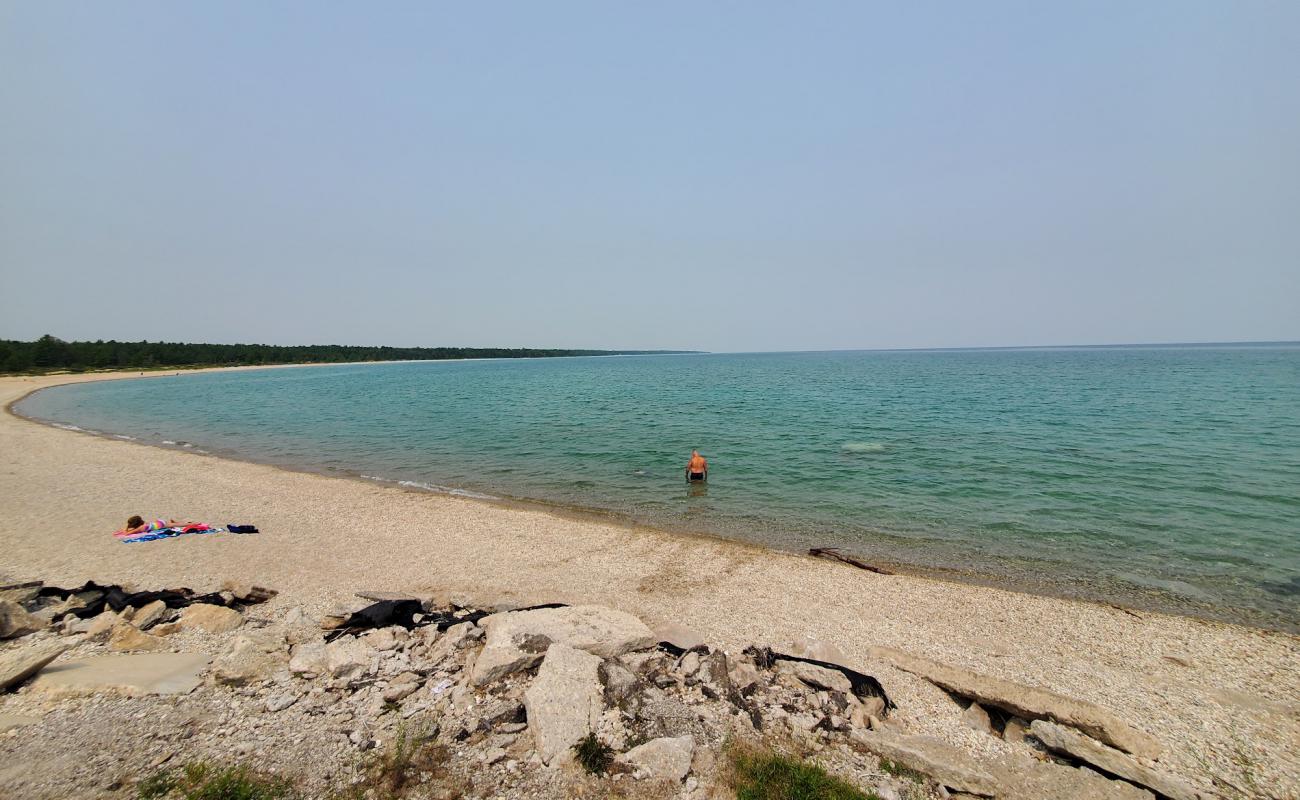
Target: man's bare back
<point>697,469</point>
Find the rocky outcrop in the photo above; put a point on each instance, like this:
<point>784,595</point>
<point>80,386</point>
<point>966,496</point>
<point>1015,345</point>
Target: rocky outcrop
<point>20,664</point>
<point>1025,701</point>
<point>508,693</point>
<point>1060,739</point>
<point>517,640</point>
<point>564,702</point>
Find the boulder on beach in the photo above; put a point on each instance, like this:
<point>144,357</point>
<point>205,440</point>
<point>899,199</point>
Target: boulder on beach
<point>518,639</point>
<point>564,702</point>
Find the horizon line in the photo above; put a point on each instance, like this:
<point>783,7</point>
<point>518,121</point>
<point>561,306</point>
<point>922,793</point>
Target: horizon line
<point>592,351</point>
<point>1231,343</point>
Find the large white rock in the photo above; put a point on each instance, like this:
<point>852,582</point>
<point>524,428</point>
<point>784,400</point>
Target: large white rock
<point>517,640</point>
<point>564,702</point>
<point>668,758</point>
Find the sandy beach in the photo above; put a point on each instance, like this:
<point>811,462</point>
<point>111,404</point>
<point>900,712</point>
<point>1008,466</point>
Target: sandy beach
<point>1224,699</point>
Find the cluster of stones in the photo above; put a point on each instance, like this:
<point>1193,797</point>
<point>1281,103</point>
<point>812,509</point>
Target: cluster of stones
<point>527,686</point>
<point>510,695</point>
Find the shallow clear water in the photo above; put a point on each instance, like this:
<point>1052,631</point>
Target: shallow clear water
<point>1161,477</point>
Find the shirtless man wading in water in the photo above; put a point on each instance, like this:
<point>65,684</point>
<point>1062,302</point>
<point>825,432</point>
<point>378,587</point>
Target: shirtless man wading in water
<point>697,469</point>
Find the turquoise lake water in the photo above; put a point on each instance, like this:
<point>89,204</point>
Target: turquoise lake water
<point>1163,477</point>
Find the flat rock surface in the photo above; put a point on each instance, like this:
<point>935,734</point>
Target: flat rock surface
<point>945,763</point>
<point>132,675</point>
<point>564,702</point>
<point>1026,701</point>
<point>517,639</point>
<point>1107,759</point>
<point>20,663</point>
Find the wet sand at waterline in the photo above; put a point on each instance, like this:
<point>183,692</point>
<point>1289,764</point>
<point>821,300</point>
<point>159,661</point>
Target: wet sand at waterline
<point>1223,699</point>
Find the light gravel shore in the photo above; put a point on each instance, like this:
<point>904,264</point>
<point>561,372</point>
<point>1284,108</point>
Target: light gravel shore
<point>1224,699</point>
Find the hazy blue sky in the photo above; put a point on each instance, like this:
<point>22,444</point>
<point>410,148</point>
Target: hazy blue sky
<point>724,176</point>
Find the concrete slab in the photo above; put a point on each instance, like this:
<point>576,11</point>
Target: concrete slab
<point>131,675</point>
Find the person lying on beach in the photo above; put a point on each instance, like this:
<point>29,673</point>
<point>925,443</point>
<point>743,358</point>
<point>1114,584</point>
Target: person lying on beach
<point>137,524</point>
<point>697,469</point>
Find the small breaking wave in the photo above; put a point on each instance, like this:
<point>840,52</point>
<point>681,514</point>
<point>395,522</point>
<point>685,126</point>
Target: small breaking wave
<point>863,447</point>
<point>433,487</point>
<point>67,427</point>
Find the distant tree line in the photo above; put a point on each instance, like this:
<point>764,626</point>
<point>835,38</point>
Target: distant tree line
<point>49,353</point>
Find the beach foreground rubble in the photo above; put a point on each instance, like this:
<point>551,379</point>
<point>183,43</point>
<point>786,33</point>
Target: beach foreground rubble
<point>498,701</point>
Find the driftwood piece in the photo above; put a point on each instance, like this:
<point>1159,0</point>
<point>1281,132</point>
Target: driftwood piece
<point>834,554</point>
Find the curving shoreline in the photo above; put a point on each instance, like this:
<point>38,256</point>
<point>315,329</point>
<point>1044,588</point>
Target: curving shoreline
<point>325,537</point>
<point>1064,574</point>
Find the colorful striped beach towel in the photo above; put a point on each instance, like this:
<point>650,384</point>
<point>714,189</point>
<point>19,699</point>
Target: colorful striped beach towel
<point>159,530</point>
